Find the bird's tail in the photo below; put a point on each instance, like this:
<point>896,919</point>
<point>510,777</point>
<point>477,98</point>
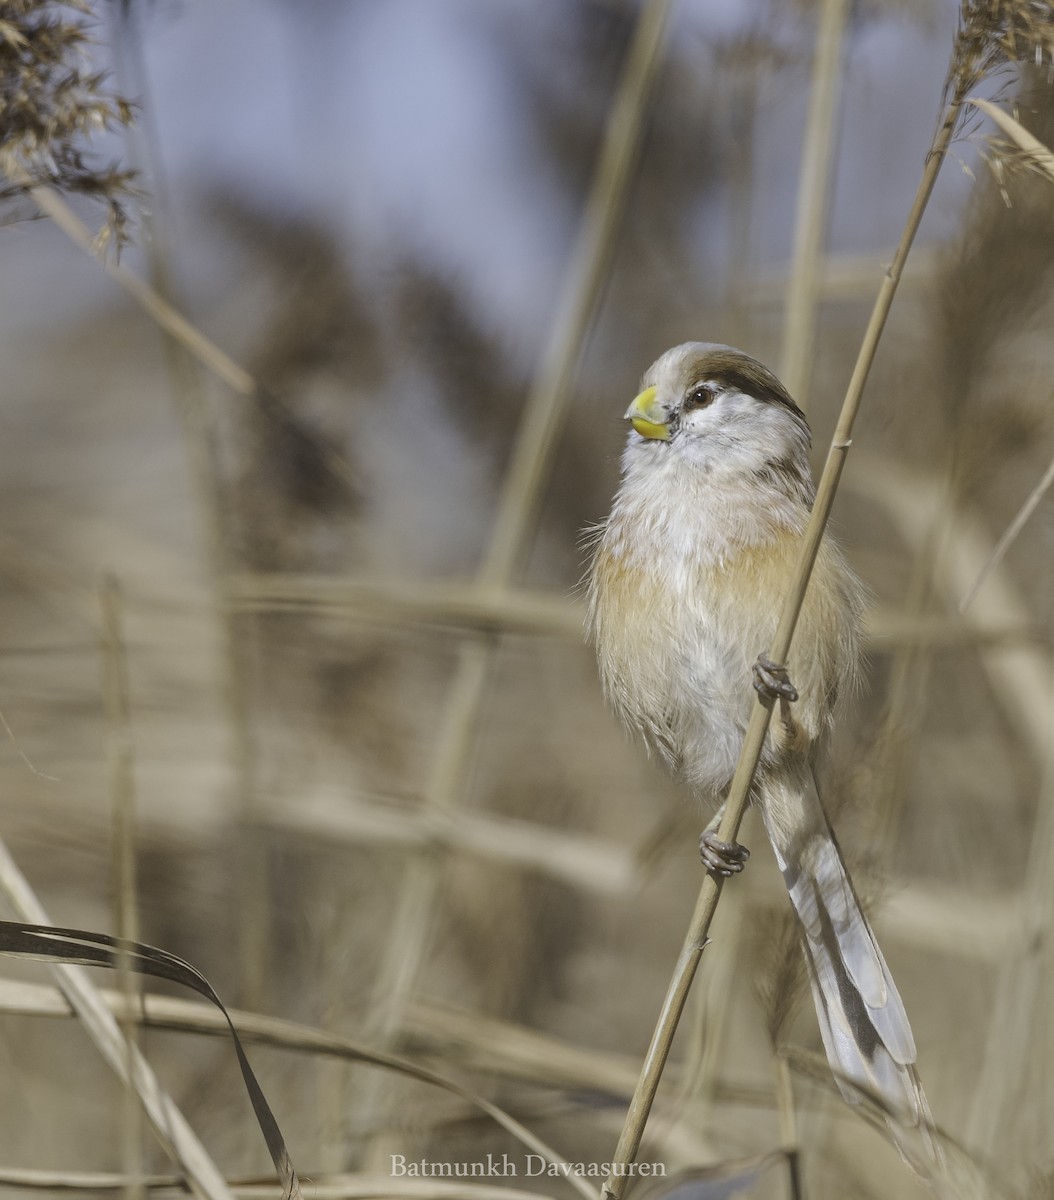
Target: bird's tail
<point>863,1024</point>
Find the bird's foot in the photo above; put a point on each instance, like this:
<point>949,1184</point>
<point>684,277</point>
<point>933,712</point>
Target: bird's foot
<point>721,858</point>
<point>771,680</point>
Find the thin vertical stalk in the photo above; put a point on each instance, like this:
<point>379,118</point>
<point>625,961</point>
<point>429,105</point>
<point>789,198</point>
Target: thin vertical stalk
<point>518,504</point>
<point>181,341</point>
<point>788,1126</point>
<point>517,508</point>
<point>814,188</point>
<point>743,122</point>
<point>1010,1045</point>
<point>123,814</point>
<point>742,782</point>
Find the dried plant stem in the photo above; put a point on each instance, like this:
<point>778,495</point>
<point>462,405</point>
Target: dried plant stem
<point>521,494</point>
<point>323,1187</point>
<point>742,782</point>
<point>195,1016</point>
<point>185,350</point>
<point>579,860</point>
<point>814,187</point>
<point>175,1134</point>
<point>1019,674</point>
<point>1032,502</point>
<point>123,800</point>
<point>788,1125</point>
<point>842,277</point>
<point>997,1113</point>
<point>743,120</point>
<point>119,753</point>
<point>450,606</point>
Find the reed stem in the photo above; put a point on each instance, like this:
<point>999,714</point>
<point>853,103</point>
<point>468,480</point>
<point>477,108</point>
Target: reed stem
<point>742,782</point>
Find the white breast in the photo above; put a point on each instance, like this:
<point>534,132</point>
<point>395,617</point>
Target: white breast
<point>675,634</point>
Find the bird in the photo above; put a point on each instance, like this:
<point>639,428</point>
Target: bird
<point>684,588</point>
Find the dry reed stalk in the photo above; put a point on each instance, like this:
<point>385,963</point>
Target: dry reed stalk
<point>910,669</point>
<point>841,277</point>
<point>164,1012</point>
<point>595,865</point>
<point>741,192</point>
<point>1036,154</point>
<point>701,1085</point>
<point>164,313</point>
<point>1000,1102</point>
<point>123,805</point>
<point>521,492</point>
<point>469,608</point>
<point>323,1187</point>
<point>84,999</point>
<point>739,793</point>
<point>788,1118</point>
<point>1018,673</point>
<point>814,189</point>
<point>167,317</point>
<point>1009,535</point>
<point>201,445</point>
<point>466,607</point>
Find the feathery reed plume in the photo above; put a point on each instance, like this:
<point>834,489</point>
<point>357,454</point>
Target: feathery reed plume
<point>994,35</point>
<point>52,103</point>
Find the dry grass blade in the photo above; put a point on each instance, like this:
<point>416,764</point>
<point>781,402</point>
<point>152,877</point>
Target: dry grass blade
<point>489,1045</point>
<point>1019,674</point>
<point>737,1178</point>
<point>169,318</point>
<point>173,322</point>
<point>469,608</point>
<point>1012,530</point>
<point>83,947</point>
<point>323,1187</point>
<point>576,859</point>
<point>447,604</point>
<point>123,805</point>
<point>1022,982</point>
<point>1036,154</point>
<point>171,1127</point>
<point>163,1012</point>
<point>963,1177</point>
<point>814,188</point>
<point>528,469</point>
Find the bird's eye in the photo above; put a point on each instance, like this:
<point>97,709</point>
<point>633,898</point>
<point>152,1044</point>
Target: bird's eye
<point>699,397</point>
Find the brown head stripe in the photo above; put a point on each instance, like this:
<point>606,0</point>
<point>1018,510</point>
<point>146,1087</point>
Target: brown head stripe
<point>744,375</point>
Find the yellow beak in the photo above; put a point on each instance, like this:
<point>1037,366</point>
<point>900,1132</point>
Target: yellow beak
<point>647,417</point>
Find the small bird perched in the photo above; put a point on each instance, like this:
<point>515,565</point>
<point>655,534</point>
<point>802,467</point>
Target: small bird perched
<point>685,587</point>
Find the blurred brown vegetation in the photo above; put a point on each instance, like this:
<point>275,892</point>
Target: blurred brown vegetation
<point>297,565</point>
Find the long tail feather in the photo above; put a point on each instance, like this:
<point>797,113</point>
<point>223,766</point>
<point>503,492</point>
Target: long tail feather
<point>863,1024</point>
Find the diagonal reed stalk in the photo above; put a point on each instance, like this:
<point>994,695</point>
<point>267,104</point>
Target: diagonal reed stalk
<point>519,501</point>
<point>814,189</point>
<point>123,802</point>
<point>201,443</point>
<point>1032,502</point>
<point>742,782</point>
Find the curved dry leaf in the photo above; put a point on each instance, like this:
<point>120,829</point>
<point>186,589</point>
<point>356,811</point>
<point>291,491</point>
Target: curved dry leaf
<point>1038,155</point>
<point>958,1169</point>
<point>170,1012</point>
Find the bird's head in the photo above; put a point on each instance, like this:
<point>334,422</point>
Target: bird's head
<point>718,408</point>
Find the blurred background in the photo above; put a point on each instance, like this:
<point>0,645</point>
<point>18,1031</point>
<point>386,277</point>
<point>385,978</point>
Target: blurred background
<point>372,783</point>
